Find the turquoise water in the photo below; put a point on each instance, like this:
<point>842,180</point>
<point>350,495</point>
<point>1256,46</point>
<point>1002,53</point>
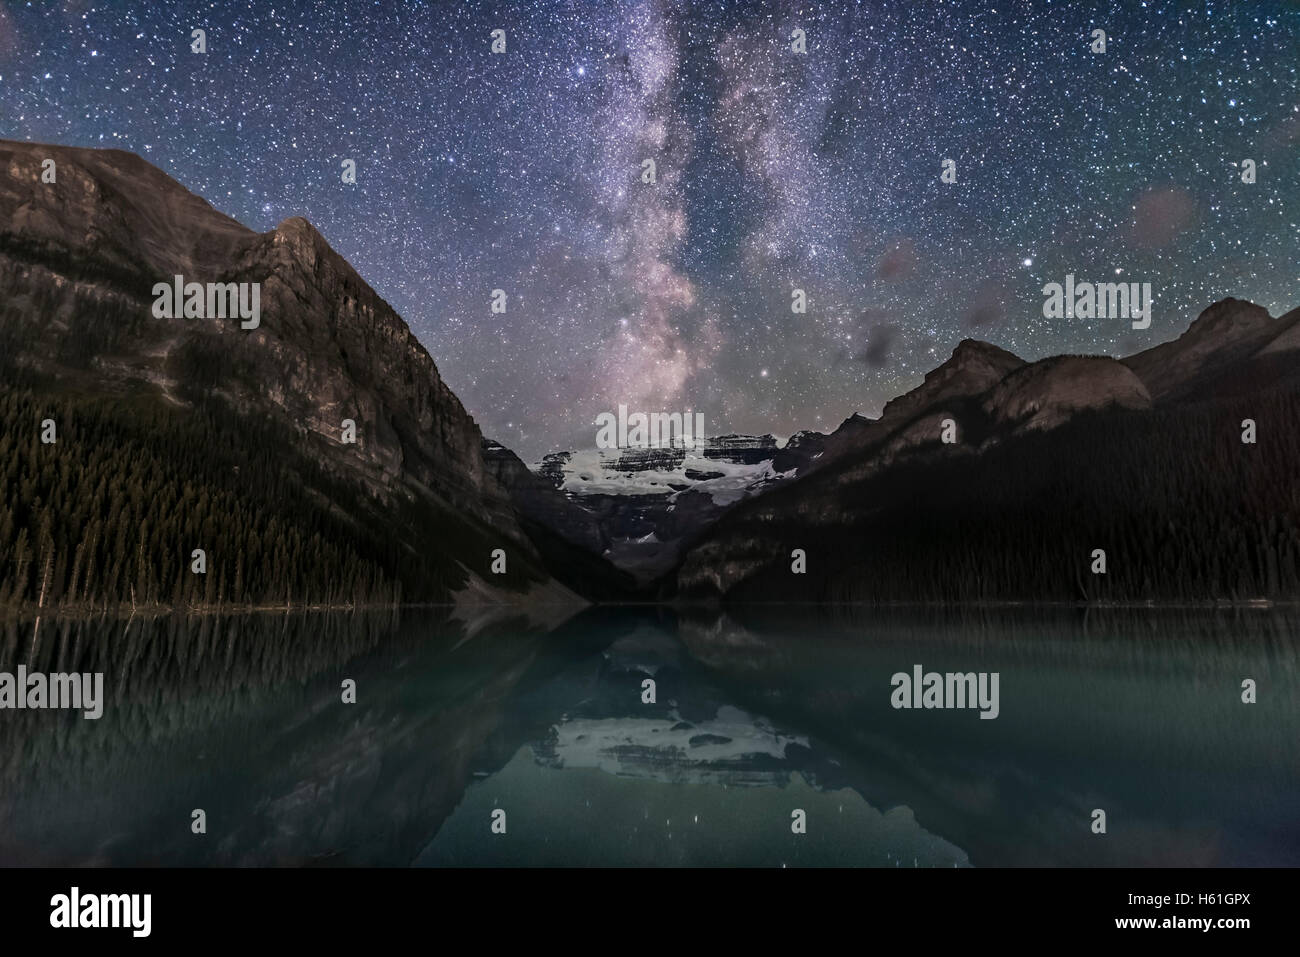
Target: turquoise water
<point>771,740</point>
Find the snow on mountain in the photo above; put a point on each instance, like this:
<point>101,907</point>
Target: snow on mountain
<point>617,472</point>
<point>645,501</point>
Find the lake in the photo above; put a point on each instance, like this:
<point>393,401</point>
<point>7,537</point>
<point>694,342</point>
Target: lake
<point>769,737</point>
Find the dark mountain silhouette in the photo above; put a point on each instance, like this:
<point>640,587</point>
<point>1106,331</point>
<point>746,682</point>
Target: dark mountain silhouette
<point>1233,347</point>
<point>187,433</point>
<point>1142,458</point>
<point>569,537</point>
<point>176,434</point>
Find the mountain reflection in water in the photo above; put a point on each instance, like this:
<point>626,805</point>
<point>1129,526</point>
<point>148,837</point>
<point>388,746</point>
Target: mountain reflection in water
<point>759,713</point>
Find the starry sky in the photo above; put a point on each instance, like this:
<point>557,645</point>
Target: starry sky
<point>775,170</point>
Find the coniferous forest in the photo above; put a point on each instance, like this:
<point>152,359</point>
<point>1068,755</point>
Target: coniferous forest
<point>111,513</point>
<point>1184,510</point>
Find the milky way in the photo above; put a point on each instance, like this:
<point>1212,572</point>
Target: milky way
<point>775,170</point>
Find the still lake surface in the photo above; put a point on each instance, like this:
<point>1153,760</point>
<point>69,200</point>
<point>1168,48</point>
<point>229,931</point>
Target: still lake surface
<point>760,711</point>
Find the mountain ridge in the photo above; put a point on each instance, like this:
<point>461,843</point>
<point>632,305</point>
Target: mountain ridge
<point>422,506</point>
<point>78,262</point>
<point>1046,430</point>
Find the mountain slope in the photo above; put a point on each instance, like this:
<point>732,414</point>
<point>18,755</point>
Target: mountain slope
<point>568,537</point>
<point>972,369</point>
<point>1230,338</point>
<point>1054,460</point>
<point>412,500</point>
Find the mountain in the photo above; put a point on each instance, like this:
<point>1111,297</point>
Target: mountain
<point>1046,394</point>
<point>1143,459</point>
<point>215,433</point>
<point>570,538</point>
<point>643,503</point>
<point>206,462</point>
<point>973,368</point>
<point>1232,346</point>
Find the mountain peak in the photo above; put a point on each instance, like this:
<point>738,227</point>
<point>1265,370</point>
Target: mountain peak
<point>308,247</point>
<point>328,347</point>
<point>1229,314</point>
<point>974,367</point>
<point>111,210</point>
<point>977,350</point>
<point>1048,393</point>
<point>299,226</point>
<point>1227,331</point>
<point>328,358</point>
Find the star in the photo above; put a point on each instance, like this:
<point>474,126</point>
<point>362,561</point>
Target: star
<point>773,170</point>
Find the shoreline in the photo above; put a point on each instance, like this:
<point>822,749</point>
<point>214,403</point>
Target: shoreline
<point>124,610</point>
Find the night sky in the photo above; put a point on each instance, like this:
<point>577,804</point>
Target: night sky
<point>522,171</point>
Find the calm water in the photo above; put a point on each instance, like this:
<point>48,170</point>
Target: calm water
<point>760,712</point>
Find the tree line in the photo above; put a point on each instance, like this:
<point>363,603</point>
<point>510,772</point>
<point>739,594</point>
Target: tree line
<point>112,511</point>
<point>1182,508</point>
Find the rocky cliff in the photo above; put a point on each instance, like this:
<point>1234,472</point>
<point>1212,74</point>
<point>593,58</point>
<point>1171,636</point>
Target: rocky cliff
<point>79,259</point>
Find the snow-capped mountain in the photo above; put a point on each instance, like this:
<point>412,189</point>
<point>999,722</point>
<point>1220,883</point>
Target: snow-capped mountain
<point>647,500</point>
